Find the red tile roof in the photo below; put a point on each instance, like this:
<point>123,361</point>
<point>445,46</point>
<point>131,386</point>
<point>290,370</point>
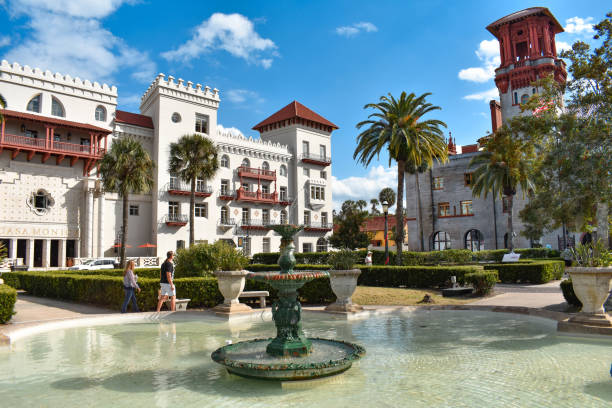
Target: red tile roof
<point>53,121</point>
<point>377,223</point>
<point>133,119</point>
<point>292,111</point>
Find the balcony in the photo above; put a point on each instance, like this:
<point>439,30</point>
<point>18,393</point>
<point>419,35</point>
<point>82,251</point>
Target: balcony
<point>285,200</point>
<point>317,159</point>
<point>262,224</point>
<point>256,196</point>
<point>259,174</point>
<point>227,223</point>
<point>227,195</point>
<point>318,226</point>
<point>177,187</point>
<point>176,220</point>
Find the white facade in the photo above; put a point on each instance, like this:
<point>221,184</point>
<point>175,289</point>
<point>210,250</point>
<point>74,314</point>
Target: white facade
<point>51,159</point>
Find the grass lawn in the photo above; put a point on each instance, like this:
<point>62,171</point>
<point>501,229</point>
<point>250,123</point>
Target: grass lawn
<point>369,295</point>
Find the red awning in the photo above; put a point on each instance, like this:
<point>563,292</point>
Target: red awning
<point>53,121</point>
<point>147,245</point>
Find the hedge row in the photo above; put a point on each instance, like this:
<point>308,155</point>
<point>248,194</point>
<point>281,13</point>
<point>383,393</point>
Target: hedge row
<point>455,256</point>
<point>8,297</point>
<point>540,271</point>
<point>412,276</point>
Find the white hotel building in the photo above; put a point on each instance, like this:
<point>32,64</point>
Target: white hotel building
<point>57,128</point>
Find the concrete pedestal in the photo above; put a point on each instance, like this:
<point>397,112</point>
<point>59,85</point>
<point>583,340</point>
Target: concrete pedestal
<point>231,284</point>
<point>343,284</point>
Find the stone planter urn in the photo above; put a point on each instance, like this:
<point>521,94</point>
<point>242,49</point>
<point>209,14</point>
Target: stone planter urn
<point>343,284</point>
<point>231,285</point>
<point>592,286</point>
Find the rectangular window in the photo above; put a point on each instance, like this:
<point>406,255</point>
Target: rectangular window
<point>224,187</point>
<point>438,183</point>
<point>444,209</point>
<point>306,172</point>
<point>283,217</point>
<point>324,175</point>
<point>265,189</point>
<point>467,179</point>
<point>174,183</point>
<point>34,135</point>
<point>200,186</point>
<point>283,193</point>
<point>322,151</point>
<point>201,210</point>
<point>306,217</point>
<point>265,216</point>
<point>245,216</point>
<point>201,123</point>
<point>516,98</point>
<point>180,244</point>
<point>134,209</point>
<point>174,208</point>
<point>306,247</point>
<point>323,219</point>
<point>506,204</point>
<point>266,245</point>
<point>466,207</point>
<point>305,148</point>
<point>245,186</point>
<point>317,193</point>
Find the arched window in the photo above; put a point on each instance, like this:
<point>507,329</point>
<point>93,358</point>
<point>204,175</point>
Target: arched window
<point>34,104</point>
<point>441,241</point>
<point>57,109</point>
<point>265,166</point>
<point>283,170</point>
<point>321,245</point>
<point>283,217</point>
<point>246,163</point>
<point>473,240</point>
<point>225,162</point>
<point>101,113</point>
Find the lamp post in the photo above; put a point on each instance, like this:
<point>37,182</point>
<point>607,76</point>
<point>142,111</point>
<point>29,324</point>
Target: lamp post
<point>385,206</point>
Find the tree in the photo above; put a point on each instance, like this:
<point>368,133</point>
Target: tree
<point>503,167</point>
<point>349,221</point>
<point>397,126</point>
<point>374,202</point>
<point>411,168</point>
<point>126,168</point>
<point>2,106</point>
<point>362,204</point>
<point>387,194</point>
<point>192,158</point>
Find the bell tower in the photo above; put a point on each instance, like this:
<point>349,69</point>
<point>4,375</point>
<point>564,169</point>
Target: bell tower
<point>528,52</point>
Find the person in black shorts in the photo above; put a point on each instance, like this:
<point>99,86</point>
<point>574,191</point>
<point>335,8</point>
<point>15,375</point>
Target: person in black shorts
<point>166,281</point>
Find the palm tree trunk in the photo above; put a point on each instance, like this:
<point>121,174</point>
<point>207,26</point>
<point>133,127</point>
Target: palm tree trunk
<point>399,211</point>
<point>192,213</point>
<point>124,229</point>
<point>510,226</point>
<point>420,211</point>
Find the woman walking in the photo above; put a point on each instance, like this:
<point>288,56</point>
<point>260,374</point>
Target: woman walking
<point>129,285</point>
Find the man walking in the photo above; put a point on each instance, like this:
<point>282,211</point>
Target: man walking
<point>166,282</point>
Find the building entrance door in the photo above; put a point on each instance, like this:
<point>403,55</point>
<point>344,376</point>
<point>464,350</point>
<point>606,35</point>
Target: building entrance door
<point>54,261</point>
<point>38,253</point>
<point>21,250</point>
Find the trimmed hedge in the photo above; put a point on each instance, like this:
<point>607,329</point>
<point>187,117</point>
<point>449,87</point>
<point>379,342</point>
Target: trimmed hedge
<point>483,281</point>
<point>568,293</point>
<point>8,297</point>
<point>412,276</point>
<point>540,271</point>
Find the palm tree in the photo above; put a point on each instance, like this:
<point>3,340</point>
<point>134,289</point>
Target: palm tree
<point>374,202</point>
<point>387,194</point>
<point>2,106</point>
<point>193,157</point>
<point>362,204</point>
<point>396,126</point>
<point>502,168</point>
<point>416,170</point>
<point>126,168</point>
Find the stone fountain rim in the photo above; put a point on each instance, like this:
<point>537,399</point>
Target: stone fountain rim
<point>289,276</point>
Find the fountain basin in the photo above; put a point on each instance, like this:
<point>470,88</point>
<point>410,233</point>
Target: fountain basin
<point>250,359</point>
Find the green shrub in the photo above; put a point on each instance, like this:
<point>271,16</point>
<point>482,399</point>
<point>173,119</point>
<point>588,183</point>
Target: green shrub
<point>482,281</point>
<point>204,259</point>
<point>529,271</point>
<point>568,293</point>
<point>8,297</point>
<point>342,260</point>
<point>412,276</point>
<point>11,279</point>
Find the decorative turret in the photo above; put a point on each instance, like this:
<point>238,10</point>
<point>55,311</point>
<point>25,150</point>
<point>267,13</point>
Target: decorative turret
<point>528,52</point>
<point>452,148</point>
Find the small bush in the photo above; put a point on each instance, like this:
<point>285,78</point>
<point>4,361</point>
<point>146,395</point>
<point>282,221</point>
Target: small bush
<point>204,259</point>
<point>342,260</point>
<point>483,281</point>
<point>411,276</point>
<point>530,271</point>
<point>8,297</point>
<point>568,293</point>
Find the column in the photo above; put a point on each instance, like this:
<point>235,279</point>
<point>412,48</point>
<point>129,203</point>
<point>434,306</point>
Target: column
<point>62,253</point>
<point>13,248</point>
<point>46,261</point>
<point>91,143</point>
<point>29,259</point>
<point>101,225</point>
<point>88,243</point>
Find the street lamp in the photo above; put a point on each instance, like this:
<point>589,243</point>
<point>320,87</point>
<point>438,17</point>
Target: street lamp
<point>385,206</point>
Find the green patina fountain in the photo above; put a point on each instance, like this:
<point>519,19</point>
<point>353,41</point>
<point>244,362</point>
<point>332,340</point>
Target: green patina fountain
<point>290,355</point>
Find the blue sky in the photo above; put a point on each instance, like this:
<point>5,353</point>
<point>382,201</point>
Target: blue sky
<point>332,56</point>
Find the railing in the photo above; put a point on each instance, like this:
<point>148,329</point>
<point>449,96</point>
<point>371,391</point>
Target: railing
<point>311,157</point>
<point>252,172</point>
<point>242,194</point>
<point>259,223</point>
<point>318,226</point>
<point>180,186</point>
<point>227,222</point>
<point>227,194</point>
<point>51,146</point>
<point>176,219</point>
<point>284,199</point>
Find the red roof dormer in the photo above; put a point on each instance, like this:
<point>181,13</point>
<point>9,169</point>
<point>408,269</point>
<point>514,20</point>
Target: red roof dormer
<point>295,113</point>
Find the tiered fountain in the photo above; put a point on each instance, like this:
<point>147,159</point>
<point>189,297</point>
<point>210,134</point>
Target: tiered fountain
<point>290,355</point>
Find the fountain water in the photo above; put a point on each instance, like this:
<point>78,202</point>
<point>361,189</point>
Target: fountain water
<point>290,355</point>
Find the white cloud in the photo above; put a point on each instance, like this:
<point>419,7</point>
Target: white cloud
<point>354,29</point>
<point>4,41</point>
<point>73,41</point>
<point>488,54</point>
<point>231,130</point>
<point>485,96</point>
<point>130,100</point>
<point>363,188</point>
<point>563,46</point>
<point>577,25</point>
<point>233,33</point>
